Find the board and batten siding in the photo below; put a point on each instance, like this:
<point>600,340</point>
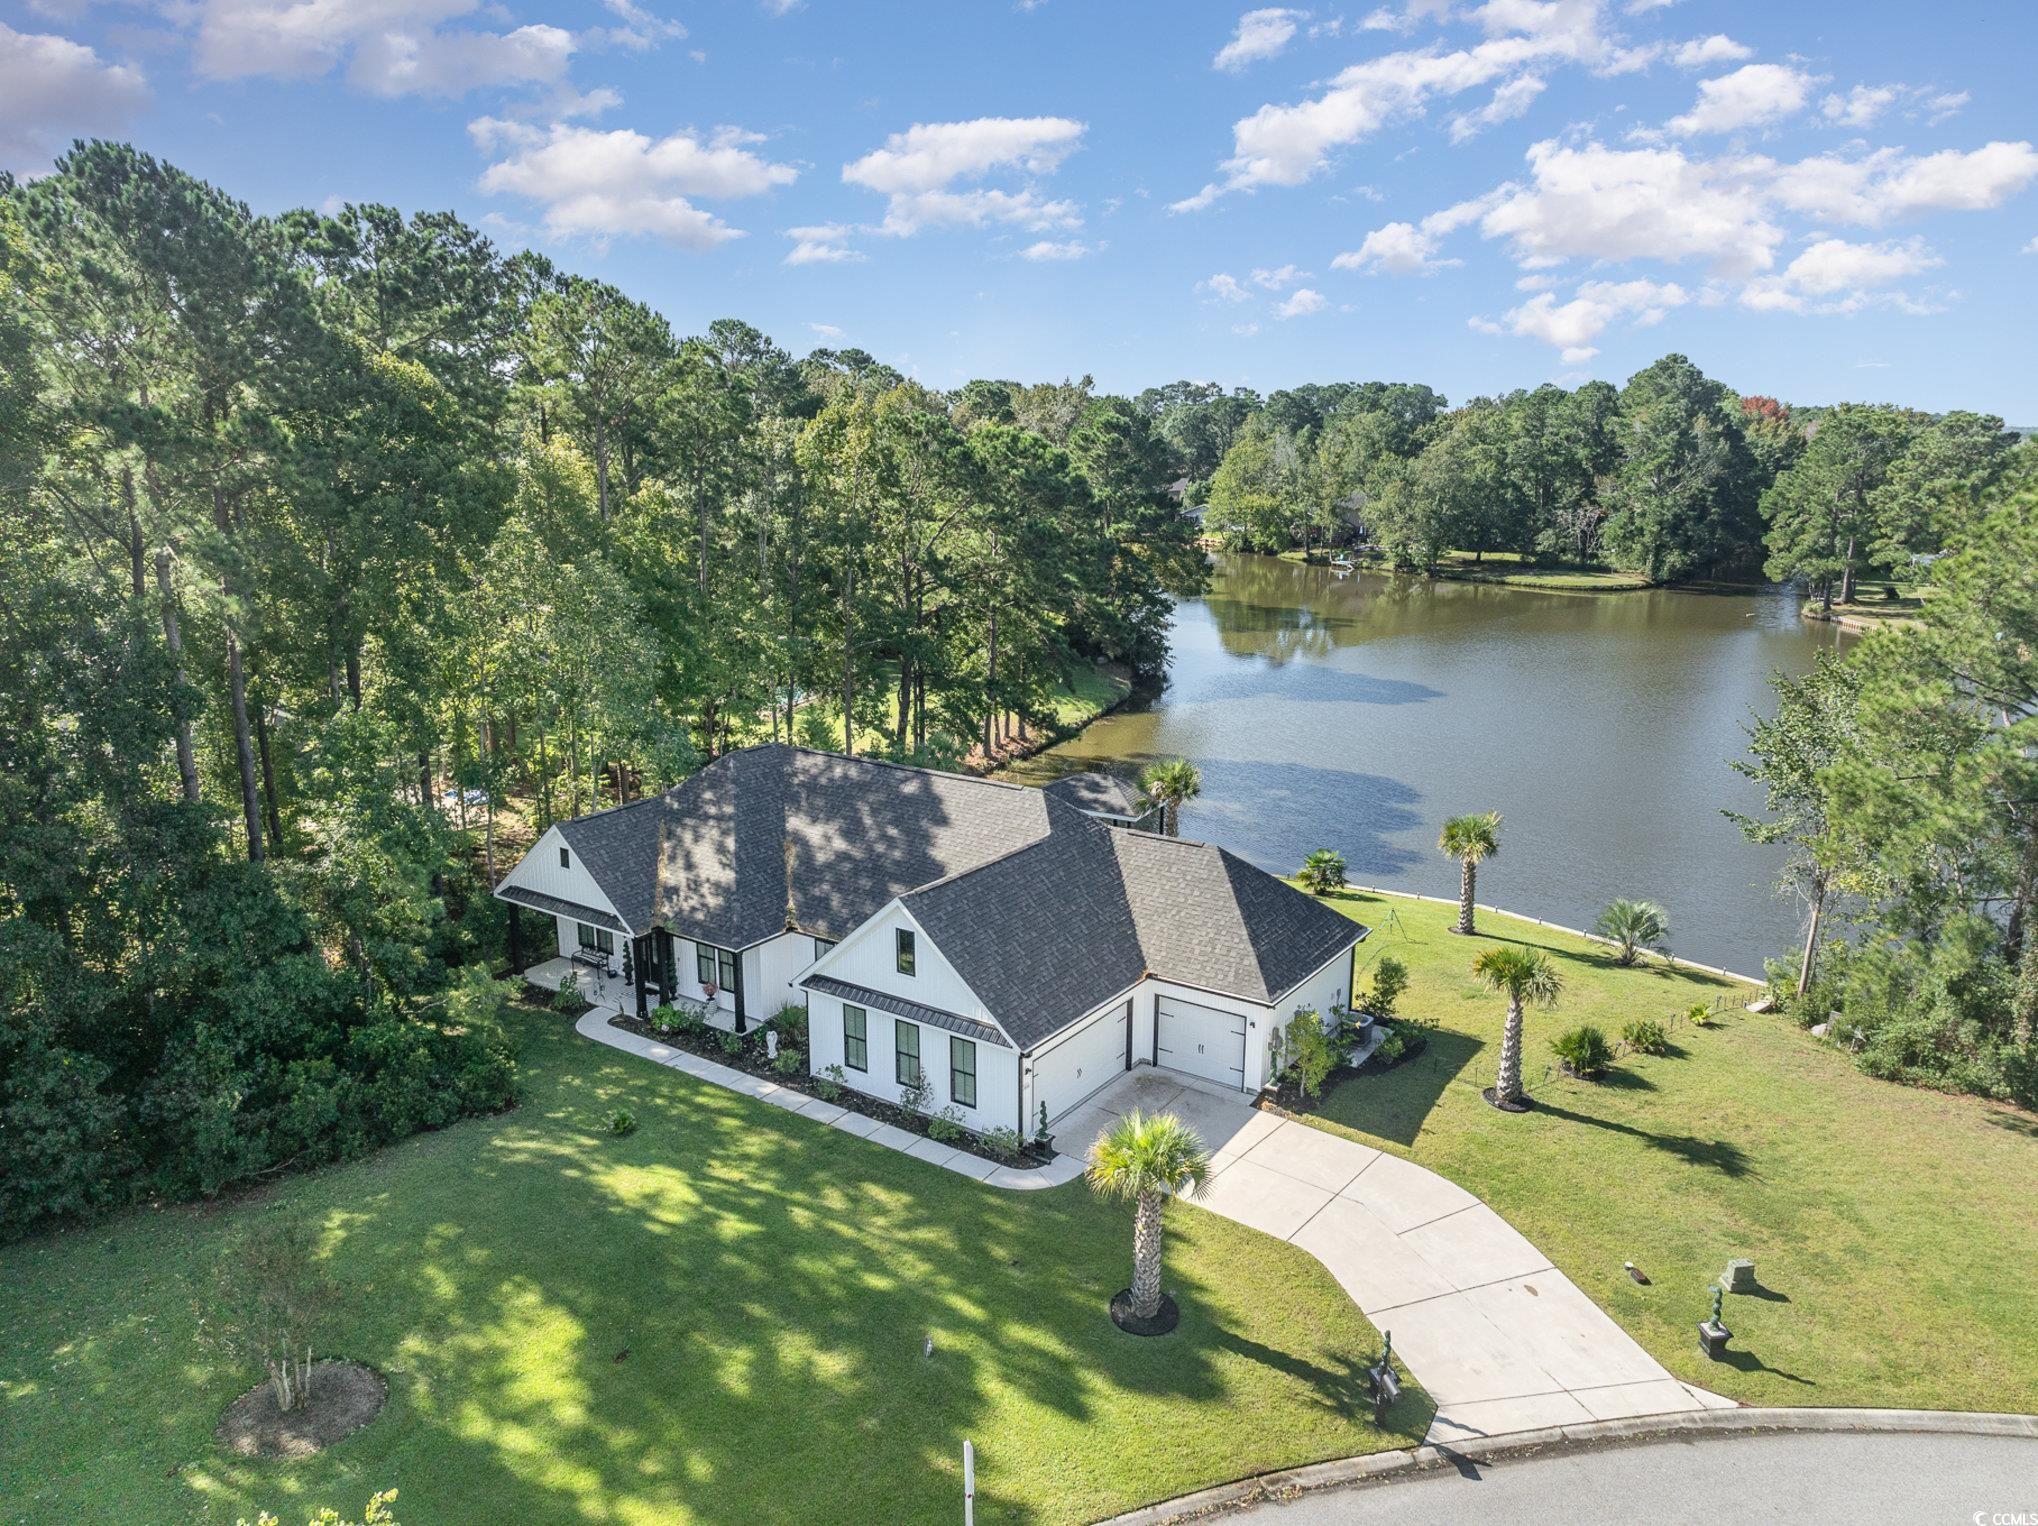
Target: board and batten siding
<point>539,870</point>
<point>867,958</point>
<point>770,970</point>
<point>997,1067</point>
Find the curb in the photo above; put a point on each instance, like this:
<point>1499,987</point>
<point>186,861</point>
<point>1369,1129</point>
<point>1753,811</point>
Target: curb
<point>1317,1477</point>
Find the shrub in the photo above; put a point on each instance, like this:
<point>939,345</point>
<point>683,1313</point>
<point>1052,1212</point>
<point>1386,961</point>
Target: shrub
<point>1700,1015</point>
<point>271,1305</point>
<point>1633,925</point>
<point>567,998</point>
<point>1390,979</point>
<point>1002,1142</point>
<point>732,1043</point>
<point>1309,1052</point>
<point>692,1020</point>
<point>622,1123</point>
<point>1645,1036</point>
<point>914,1095</point>
<point>1392,1047</point>
<point>788,1062</point>
<point>946,1125</point>
<point>791,1023</point>
<point>1323,871</point>
<point>828,1085</point>
<point>1584,1051</point>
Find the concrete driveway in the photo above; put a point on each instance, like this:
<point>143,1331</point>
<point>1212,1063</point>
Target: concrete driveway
<point>1500,1339</point>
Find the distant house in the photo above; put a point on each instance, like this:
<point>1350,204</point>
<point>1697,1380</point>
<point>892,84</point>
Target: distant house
<point>1008,943</point>
<point>1108,798</point>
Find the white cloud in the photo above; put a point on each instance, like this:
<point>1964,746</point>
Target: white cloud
<point>1860,106</point>
<point>1573,326</point>
<point>828,331</point>
<point>1224,287</point>
<point>1876,187</point>
<point>1593,202</point>
<point>917,171</point>
<point>1055,249</point>
<point>1261,34</point>
<point>1508,102</point>
<point>603,184</point>
<point>1704,52</point>
<point>1275,279</point>
<point>1302,302</point>
<point>1397,249</point>
<point>1754,95</point>
<point>1245,330</point>
<point>821,244</point>
<point>1285,145</point>
<point>390,47</point>
<point>1833,264</point>
<point>2030,248</point>
<point>53,89</point>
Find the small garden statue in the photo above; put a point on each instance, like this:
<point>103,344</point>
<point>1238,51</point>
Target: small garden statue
<point>1043,1138</point>
<point>1713,1334</point>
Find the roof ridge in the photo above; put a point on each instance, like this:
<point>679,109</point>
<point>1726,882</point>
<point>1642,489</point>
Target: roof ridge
<point>911,768</point>
<point>625,805</point>
<point>1010,853</point>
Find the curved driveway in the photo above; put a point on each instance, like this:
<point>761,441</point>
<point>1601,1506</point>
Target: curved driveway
<point>1500,1339</point>
<point>1859,1480</point>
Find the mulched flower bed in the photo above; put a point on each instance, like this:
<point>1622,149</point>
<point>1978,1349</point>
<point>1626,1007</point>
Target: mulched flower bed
<point>343,1397</point>
<point>750,1058</point>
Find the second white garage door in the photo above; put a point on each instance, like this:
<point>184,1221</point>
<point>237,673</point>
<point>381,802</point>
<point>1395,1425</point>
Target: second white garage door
<point>1200,1040</point>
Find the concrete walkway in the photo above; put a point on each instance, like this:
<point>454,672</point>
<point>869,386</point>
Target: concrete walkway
<point>594,1024</point>
<point>1500,1339</point>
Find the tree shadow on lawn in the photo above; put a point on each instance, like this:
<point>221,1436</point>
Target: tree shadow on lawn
<point>772,1284</point>
<point>1394,1104</point>
<point>1719,1155</point>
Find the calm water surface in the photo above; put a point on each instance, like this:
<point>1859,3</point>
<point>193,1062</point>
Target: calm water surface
<point>1358,713</point>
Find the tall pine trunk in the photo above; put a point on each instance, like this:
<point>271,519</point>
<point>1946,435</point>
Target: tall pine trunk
<point>173,641</point>
<point>237,690</point>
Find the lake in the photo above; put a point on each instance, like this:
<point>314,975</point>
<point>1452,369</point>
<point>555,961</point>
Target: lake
<point>1357,713</point>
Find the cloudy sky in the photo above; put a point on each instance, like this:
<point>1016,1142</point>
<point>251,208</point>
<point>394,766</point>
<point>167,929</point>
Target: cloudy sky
<point>1819,200</point>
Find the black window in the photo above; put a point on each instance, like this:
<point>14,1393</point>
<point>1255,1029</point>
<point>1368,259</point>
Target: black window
<point>565,859</point>
<point>822,945</point>
<point>586,935</point>
<point>855,1039</point>
<point>906,1050</point>
<point>715,966</point>
<point>962,1072</point>
<point>604,940</point>
<point>903,941</point>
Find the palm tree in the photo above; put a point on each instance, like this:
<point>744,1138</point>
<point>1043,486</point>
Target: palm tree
<point>1469,839</point>
<point>1632,925</point>
<point>1171,784</point>
<point>1323,871</point>
<point>1140,1161</point>
<point>1529,979</point>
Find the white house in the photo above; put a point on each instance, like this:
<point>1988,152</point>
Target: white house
<point>1013,949</point>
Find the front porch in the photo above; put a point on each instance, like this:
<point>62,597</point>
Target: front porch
<point>611,994</point>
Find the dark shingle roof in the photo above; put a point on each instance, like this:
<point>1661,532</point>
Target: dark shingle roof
<point>1096,792</point>
<point>1047,934</point>
<point>1043,911</point>
<point>900,1006</point>
<point>775,836</point>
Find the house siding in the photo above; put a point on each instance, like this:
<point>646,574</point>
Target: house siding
<point>867,958</point>
<point>539,870</point>
<point>997,1067</point>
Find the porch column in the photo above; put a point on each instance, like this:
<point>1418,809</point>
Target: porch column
<point>668,973</point>
<point>639,947</point>
<point>741,1025</point>
<point>516,942</point>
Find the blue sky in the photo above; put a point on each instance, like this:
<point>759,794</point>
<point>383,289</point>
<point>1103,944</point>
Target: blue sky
<point>1820,201</point>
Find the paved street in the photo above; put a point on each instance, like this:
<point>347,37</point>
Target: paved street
<point>1856,1480</point>
<point>1501,1340</point>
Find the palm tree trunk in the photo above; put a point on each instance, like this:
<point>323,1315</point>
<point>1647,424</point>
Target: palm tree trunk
<point>1146,1256</point>
<point>1508,1088</point>
<point>1468,884</point>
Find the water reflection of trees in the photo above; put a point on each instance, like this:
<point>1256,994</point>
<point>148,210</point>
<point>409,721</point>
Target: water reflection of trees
<point>1279,610</point>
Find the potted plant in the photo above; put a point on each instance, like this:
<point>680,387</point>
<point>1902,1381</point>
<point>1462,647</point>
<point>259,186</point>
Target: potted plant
<point>1043,1137</point>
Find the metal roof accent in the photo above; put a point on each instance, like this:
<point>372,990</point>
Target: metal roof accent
<point>560,907</point>
<point>900,1006</point>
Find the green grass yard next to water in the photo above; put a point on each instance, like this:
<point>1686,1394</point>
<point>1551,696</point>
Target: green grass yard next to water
<point>771,1281</point>
<point>1894,1231</point>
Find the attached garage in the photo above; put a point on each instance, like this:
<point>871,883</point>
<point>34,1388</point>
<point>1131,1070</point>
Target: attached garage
<point>1199,1041</point>
<point>1070,1068</point>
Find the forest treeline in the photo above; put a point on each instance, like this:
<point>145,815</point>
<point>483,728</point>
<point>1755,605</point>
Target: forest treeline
<point>1671,476</point>
<point>342,551</point>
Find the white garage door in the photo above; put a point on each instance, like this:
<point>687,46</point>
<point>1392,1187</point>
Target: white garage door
<point>1072,1067</point>
<point>1200,1040</point>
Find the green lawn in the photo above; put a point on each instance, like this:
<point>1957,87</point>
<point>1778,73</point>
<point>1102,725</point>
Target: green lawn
<point>1895,1231</point>
<point>771,1280</point>
<point>1515,571</point>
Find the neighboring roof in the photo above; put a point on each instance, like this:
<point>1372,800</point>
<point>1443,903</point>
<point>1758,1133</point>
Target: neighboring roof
<point>901,1006</point>
<point>1047,934</point>
<point>771,837</point>
<point>558,906</point>
<point>1097,792</point>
